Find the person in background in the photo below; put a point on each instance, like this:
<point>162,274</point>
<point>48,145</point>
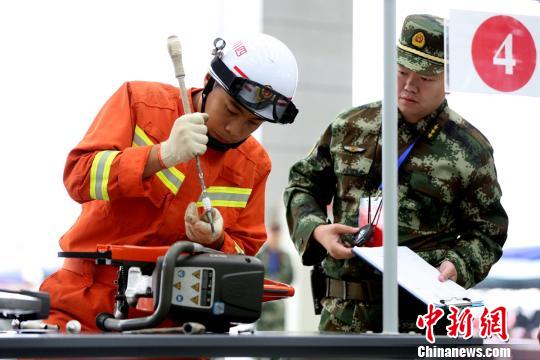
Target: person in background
<point>449,208</point>
<point>278,267</point>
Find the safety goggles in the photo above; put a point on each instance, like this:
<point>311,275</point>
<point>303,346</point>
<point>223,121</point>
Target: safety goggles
<point>262,100</point>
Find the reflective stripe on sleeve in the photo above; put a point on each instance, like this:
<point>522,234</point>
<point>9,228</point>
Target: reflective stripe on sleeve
<point>172,178</point>
<point>99,174</point>
<point>227,196</point>
<point>140,138</point>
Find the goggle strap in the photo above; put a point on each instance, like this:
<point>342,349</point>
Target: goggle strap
<point>222,71</point>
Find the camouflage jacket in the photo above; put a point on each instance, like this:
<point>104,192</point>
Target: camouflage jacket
<point>449,197</point>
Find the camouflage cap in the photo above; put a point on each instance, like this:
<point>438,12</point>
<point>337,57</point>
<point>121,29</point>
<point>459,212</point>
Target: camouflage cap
<point>421,44</point>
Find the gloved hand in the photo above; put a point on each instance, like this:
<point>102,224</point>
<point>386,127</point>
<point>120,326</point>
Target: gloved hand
<point>199,230</point>
<point>187,139</point>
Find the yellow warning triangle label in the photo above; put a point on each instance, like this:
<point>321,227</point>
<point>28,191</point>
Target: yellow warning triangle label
<point>196,287</point>
<point>195,300</point>
<point>197,274</point>
<point>178,285</point>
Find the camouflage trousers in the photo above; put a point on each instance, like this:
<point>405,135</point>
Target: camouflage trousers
<point>272,316</point>
<point>350,316</point>
<point>357,316</point>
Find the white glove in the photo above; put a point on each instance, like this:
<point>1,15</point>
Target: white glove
<point>199,230</point>
<point>187,139</point>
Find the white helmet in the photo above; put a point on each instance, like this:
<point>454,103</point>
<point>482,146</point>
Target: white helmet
<point>260,73</point>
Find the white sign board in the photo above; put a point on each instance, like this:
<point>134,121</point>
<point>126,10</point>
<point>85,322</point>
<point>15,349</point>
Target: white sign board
<point>493,53</point>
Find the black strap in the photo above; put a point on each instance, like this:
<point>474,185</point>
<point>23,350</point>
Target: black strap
<point>85,255</point>
<point>207,88</point>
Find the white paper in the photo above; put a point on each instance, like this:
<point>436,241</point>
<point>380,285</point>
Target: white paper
<point>418,277</point>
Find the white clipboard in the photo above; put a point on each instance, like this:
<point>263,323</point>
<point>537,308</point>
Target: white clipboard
<point>419,278</point>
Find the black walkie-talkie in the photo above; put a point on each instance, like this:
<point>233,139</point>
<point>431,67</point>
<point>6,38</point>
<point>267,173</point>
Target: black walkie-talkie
<point>363,235</point>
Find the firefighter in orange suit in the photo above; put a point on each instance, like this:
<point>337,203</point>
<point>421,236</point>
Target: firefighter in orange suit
<point>135,173</point>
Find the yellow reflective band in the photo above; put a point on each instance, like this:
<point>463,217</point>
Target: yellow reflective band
<point>177,173</point>
<point>141,134</point>
<point>166,182</point>
<point>93,172</point>
<point>172,178</point>
<point>225,203</point>
<point>238,248</point>
<point>420,53</point>
<point>107,170</point>
<point>228,190</point>
<point>226,196</point>
<point>99,174</point>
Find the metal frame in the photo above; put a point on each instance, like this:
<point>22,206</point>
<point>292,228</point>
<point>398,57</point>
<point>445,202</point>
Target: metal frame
<point>389,171</point>
<point>267,344</point>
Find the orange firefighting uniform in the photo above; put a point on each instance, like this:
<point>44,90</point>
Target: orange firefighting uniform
<point>104,173</point>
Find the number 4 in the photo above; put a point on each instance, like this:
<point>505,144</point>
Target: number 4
<point>508,61</point>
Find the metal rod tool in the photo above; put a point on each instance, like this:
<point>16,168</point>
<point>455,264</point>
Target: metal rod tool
<point>175,51</point>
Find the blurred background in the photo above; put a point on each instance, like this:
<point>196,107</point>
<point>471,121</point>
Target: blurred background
<point>61,60</point>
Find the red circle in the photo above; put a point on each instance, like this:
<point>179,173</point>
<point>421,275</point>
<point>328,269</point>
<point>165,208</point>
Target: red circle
<point>488,38</point>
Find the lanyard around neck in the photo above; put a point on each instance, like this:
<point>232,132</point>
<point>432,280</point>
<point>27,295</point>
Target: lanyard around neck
<point>403,156</point>
<point>401,159</point>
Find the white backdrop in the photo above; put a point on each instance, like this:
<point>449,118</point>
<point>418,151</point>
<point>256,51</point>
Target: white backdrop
<point>60,61</point>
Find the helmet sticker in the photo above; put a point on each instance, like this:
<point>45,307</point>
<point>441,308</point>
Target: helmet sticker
<point>239,49</point>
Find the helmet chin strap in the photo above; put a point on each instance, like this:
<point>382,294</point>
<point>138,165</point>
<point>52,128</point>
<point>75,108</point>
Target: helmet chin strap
<point>213,143</point>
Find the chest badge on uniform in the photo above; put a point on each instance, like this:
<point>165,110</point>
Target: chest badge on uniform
<point>354,149</point>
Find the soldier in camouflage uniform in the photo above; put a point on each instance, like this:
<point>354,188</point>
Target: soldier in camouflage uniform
<point>278,267</point>
<point>449,198</point>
